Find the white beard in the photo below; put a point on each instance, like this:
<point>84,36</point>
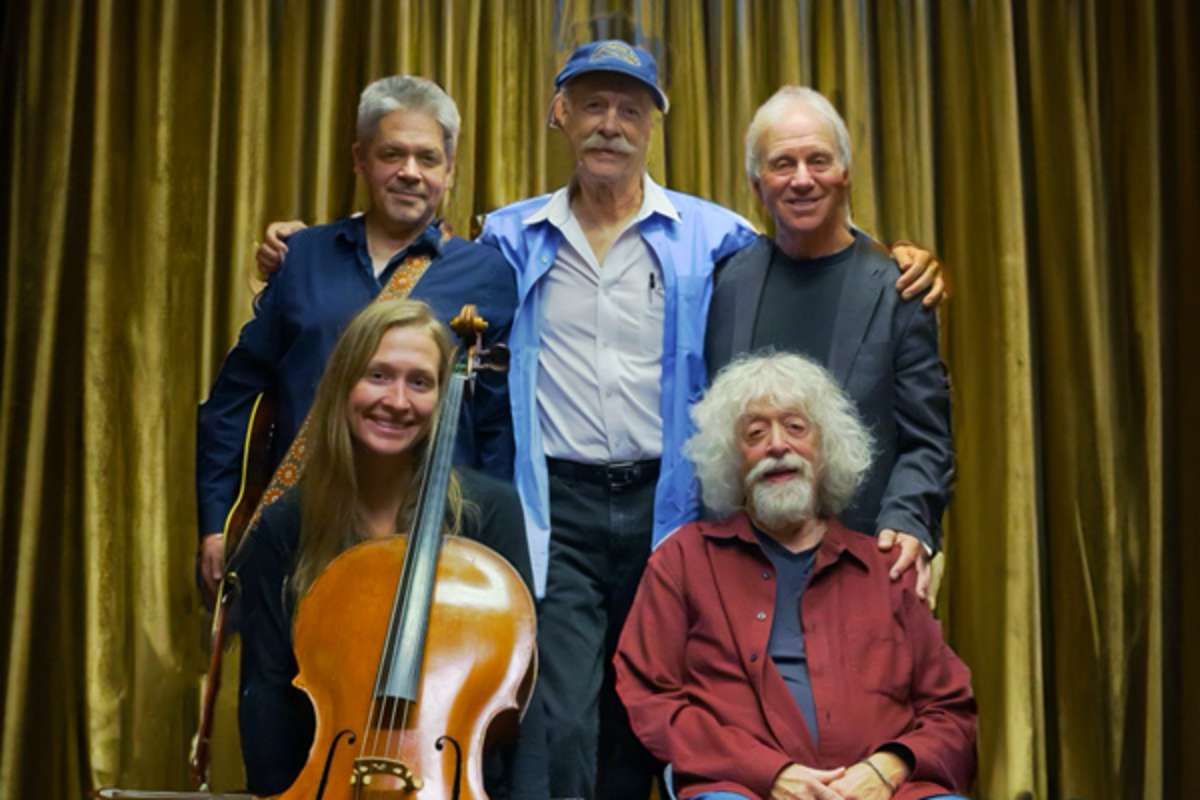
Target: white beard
<point>782,505</point>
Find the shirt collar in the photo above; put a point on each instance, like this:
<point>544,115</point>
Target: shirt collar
<point>838,541</point>
<point>557,210</point>
<point>353,229</point>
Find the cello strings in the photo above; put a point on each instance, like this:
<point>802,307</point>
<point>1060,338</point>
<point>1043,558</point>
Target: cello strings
<point>371,732</point>
<point>442,438</point>
<point>383,675</point>
<point>434,471</point>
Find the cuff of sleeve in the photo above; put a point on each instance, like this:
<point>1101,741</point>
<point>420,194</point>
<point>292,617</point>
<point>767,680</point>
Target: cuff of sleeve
<point>923,763</point>
<point>902,752</point>
<point>764,780</point>
<point>911,526</point>
<point>211,521</point>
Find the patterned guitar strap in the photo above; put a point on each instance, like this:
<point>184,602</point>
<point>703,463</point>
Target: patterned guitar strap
<point>288,473</point>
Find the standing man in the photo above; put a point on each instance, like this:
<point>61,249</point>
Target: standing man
<point>613,275</point>
<point>614,280</point>
<point>407,132</point>
<point>881,348</point>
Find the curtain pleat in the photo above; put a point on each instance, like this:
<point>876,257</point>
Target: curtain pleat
<point>1046,151</point>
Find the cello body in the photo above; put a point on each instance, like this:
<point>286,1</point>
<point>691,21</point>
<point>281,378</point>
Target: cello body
<point>478,663</point>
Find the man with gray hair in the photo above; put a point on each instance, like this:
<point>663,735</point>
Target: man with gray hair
<point>407,133</point>
<point>768,653</point>
<point>881,347</point>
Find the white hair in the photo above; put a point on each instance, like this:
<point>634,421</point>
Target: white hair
<point>786,381</point>
<point>415,94</point>
<point>784,100</point>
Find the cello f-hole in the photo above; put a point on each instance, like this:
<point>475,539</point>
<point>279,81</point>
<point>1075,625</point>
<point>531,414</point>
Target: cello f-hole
<point>349,734</point>
<point>440,744</point>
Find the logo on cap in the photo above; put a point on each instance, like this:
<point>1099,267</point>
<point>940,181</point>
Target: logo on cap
<point>617,50</point>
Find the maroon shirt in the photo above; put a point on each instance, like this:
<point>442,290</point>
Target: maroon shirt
<point>702,693</point>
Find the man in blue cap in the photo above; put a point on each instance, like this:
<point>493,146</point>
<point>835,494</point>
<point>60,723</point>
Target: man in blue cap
<point>614,277</point>
<point>613,272</point>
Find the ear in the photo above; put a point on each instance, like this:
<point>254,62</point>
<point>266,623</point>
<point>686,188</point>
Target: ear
<point>756,188</point>
<point>558,109</point>
<point>359,155</point>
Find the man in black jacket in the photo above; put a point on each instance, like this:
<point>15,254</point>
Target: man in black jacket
<point>824,289</point>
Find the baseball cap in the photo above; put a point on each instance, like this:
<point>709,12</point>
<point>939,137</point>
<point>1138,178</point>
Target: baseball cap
<point>613,55</point>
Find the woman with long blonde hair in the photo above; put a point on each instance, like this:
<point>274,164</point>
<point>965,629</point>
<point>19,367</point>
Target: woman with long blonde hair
<point>368,440</point>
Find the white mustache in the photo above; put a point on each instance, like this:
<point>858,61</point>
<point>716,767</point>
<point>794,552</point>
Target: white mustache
<point>617,144</point>
<point>791,461</point>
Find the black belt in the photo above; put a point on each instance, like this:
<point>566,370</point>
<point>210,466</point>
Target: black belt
<point>617,476</point>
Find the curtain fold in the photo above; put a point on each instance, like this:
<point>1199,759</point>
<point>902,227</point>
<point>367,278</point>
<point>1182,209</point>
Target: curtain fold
<point>1047,152</point>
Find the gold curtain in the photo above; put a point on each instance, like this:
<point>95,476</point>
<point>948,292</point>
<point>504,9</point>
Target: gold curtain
<point>1047,151</point>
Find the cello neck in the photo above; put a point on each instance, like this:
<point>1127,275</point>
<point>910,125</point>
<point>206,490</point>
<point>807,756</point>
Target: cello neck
<point>400,667</point>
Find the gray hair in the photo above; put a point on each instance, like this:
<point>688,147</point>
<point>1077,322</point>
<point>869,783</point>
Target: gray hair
<point>415,94</point>
<point>784,100</point>
<point>786,381</point>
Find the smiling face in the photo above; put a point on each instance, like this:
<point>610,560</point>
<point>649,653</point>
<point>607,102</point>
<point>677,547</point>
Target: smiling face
<point>608,118</point>
<point>781,465</point>
<point>406,169</point>
<point>803,184</point>
<point>391,406</point>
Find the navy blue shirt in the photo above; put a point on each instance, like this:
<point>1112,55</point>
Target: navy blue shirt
<point>325,280</point>
<point>786,644</point>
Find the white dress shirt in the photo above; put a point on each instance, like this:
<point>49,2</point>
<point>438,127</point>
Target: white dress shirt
<point>598,388</point>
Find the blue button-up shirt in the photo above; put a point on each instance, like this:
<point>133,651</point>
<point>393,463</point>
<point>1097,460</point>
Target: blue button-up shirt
<point>326,279</point>
<point>686,247</point>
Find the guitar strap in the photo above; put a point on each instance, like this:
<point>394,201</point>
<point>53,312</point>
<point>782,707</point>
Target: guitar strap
<point>406,275</point>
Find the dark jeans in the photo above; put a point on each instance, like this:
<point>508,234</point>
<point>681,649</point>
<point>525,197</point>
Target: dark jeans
<point>600,539</point>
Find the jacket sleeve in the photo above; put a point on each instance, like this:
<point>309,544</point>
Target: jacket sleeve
<point>651,670</point>
<point>919,487</point>
<point>489,411</point>
<point>248,370</point>
<point>941,740</point>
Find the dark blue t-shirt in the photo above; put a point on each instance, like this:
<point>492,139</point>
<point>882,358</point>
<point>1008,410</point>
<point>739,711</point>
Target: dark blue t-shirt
<point>782,324</point>
<point>786,644</point>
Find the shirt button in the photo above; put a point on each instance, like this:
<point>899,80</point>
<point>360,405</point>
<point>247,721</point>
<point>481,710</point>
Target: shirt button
<point>754,656</point>
<point>761,616</point>
<point>766,576</point>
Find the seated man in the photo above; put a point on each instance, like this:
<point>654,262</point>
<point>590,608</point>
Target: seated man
<point>768,654</point>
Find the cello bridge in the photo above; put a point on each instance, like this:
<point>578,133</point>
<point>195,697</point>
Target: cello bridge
<point>383,774</point>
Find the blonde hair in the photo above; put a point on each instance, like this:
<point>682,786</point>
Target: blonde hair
<point>331,516</point>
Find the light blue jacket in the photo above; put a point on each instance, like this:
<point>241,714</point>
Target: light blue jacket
<point>686,247</point>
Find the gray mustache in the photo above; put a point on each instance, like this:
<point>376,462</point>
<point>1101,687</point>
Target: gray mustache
<point>618,144</point>
<point>790,461</point>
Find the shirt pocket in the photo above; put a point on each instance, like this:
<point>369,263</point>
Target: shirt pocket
<point>651,332</point>
<point>878,659</point>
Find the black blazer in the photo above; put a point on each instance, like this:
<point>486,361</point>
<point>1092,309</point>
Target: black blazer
<point>884,353</point>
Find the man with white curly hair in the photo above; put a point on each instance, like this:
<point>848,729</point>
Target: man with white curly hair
<point>768,653</point>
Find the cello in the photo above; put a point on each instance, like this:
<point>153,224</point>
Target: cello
<point>409,648</point>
